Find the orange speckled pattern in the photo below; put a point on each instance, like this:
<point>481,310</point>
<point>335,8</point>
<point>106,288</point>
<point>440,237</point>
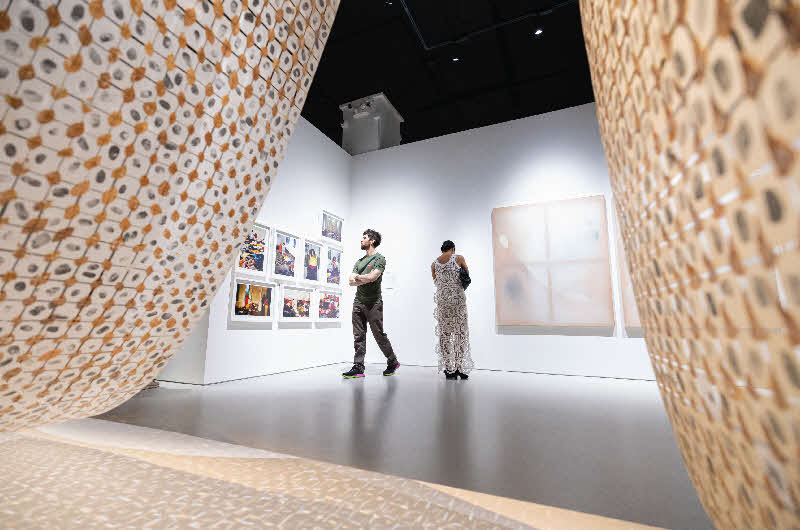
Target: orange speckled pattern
<point>138,142</point>
<point>699,108</point>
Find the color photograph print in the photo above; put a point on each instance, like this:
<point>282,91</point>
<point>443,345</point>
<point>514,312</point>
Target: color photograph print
<point>332,227</point>
<point>253,251</point>
<point>286,249</point>
<point>333,274</point>
<point>253,300</point>
<point>296,303</point>
<point>551,264</point>
<point>329,306</point>
<point>313,255</point>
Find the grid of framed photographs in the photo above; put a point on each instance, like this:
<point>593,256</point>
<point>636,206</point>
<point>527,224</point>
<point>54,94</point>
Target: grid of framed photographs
<point>282,275</point>
<point>257,301</point>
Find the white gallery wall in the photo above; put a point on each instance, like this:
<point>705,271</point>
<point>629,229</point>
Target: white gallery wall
<point>419,194</point>
<point>314,175</point>
<point>189,364</point>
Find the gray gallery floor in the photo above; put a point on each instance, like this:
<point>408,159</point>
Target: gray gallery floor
<point>601,446</point>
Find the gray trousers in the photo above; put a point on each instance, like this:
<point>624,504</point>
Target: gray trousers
<point>372,313</point>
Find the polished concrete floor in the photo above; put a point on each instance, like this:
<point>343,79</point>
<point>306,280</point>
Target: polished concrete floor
<point>600,446</point>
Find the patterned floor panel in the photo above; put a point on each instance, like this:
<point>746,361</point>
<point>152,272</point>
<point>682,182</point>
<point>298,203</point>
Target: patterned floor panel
<point>93,473</point>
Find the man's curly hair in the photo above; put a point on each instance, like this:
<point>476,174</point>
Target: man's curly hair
<point>374,236</point>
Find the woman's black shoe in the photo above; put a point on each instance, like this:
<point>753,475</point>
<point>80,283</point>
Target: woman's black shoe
<point>461,375</point>
<point>450,375</point>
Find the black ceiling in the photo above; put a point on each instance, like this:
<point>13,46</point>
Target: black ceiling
<point>504,71</point>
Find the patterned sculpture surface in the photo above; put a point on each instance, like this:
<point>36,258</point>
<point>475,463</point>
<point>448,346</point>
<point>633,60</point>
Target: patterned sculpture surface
<point>137,144</point>
<point>699,109</point>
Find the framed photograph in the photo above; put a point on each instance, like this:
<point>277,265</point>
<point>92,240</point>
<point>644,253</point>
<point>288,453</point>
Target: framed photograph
<point>332,227</point>
<point>296,304</point>
<point>253,252</point>
<point>328,306</point>
<point>287,250</point>
<point>253,301</point>
<point>312,261</point>
<point>333,273</point>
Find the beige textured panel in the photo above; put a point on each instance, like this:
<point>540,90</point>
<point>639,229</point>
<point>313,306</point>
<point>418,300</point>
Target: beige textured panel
<point>138,142</point>
<point>699,108</point>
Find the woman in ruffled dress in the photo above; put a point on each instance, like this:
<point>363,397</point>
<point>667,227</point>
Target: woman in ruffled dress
<point>452,327</point>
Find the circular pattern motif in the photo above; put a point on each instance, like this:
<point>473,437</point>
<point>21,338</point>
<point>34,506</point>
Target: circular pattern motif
<point>699,109</point>
<point>137,144</point>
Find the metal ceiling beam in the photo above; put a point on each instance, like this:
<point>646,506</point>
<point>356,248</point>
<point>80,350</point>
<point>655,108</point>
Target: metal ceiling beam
<point>466,36</point>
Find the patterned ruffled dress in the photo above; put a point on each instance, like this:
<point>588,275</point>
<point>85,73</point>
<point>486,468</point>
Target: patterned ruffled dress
<point>450,312</point>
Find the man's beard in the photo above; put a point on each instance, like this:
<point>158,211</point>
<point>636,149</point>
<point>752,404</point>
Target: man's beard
<point>364,246</point>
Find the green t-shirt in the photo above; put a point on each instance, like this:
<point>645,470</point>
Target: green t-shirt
<point>371,292</point>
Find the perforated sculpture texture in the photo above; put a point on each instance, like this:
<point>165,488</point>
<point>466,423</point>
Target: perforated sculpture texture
<point>138,142</point>
<point>699,108</point>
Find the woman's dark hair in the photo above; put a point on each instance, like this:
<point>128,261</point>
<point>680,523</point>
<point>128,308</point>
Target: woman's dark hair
<point>448,245</point>
<point>373,236</point>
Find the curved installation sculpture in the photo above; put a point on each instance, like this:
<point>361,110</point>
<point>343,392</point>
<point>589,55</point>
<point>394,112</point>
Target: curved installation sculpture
<point>137,145</point>
<point>699,109</point>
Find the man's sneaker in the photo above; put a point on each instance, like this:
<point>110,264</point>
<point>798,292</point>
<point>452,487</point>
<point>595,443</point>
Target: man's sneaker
<point>391,367</point>
<point>354,372</point>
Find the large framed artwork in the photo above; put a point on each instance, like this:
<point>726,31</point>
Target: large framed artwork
<point>311,261</point>
<point>296,303</point>
<point>332,227</point>
<point>334,267</point>
<point>253,300</point>
<point>253,252</point>
<point>551,264</point>
<point>328,306</point>
<point>287,249</point>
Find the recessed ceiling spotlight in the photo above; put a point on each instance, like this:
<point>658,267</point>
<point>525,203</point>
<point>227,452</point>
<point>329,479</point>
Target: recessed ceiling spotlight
<point>456,59</point>
<point>538,31</point>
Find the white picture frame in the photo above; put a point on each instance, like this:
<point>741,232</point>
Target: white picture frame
<point>315,276</point>
<point>245,305</point>
<point>285,244</point>
<point>249,261</point>
<point>290,295</point>
<point>331,226</point>
<point>331,253</point>
<point>323,297</point>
